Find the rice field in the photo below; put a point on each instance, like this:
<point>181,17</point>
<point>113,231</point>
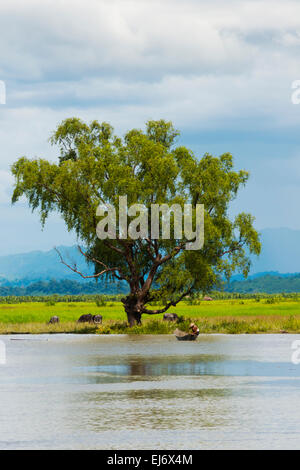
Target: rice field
<point>217,316</point>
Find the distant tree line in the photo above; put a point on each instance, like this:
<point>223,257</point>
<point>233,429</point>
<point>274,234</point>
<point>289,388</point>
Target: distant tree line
<point>73,291</point>
<point>50,300</point>
<point>61,287</point>
<point>269,283</point>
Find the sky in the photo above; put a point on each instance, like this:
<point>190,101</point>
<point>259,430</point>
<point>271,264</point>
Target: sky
<point>221,71</point>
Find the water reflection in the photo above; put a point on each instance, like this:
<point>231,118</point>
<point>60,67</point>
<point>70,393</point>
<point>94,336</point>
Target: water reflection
<point>120,392</point>
<point>132,369</point>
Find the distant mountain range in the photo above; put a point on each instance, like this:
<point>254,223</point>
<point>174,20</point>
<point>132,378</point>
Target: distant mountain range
<point>279,260</point>
<point>63,287</point>
<point>42,273</point>
<point>267,283</point>
<point>42,266</point>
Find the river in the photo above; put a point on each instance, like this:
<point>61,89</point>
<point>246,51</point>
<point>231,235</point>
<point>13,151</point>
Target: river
<point>149,392</point>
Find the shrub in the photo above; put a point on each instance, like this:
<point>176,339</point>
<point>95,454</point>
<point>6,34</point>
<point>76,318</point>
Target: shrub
<point>100,302</point>
<point>271,300</point>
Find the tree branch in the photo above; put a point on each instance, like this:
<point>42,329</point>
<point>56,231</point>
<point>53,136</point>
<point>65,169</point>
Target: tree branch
<point>95,260</point>
<point>170,304</point>
<point>75,270</point>
<point>232,250</point>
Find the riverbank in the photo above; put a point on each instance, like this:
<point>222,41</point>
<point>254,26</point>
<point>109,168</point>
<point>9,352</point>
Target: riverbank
<point>220,316</point>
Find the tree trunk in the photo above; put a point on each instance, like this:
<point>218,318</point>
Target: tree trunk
<point>133,308</point>
<point>134,318</point>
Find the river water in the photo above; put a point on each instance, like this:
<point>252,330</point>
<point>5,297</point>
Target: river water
<point>149,392</point>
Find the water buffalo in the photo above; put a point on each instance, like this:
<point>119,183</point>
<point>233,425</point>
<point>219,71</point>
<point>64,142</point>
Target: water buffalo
<point>97,319</point>
<point>170,317</point>
<point>54,320</point>
<point>89,318</point>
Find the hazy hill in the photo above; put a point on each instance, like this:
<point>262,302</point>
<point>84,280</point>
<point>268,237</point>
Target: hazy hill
<point>42,265</point>
<point>273,271</point>
<point>280,253</point>
<point>63,287</point>
<point>268,283</point>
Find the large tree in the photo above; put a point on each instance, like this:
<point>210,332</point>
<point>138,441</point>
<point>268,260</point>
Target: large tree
<point>95,167</point>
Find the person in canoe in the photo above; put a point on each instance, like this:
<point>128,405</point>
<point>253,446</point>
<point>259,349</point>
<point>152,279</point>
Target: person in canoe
<point>191,335</point>
<point>194,329</point>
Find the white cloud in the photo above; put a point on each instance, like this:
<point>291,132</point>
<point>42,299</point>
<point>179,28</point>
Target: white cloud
<point>141,39</point>
<point>208,66</point>
<point>202,61</point>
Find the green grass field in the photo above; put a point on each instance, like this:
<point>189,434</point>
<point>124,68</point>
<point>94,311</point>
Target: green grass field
<point>218,316</point>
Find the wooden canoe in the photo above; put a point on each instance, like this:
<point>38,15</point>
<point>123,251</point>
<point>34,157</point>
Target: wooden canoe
<point>183,336</point>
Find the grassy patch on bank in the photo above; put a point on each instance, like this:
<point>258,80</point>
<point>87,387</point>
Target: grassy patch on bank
<point>219,316</point>
<point>44,328</point>
<point>229,325</point>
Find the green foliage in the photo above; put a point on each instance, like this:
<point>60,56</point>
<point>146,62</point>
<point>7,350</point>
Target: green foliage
<point>100,301</point>
<point>95,167</point>
<point>270,300</point>
<point>56,298</point>
<point>157,327</point>
<point>218,316</point>
<point>194,299</point>
<point>291,324</point>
